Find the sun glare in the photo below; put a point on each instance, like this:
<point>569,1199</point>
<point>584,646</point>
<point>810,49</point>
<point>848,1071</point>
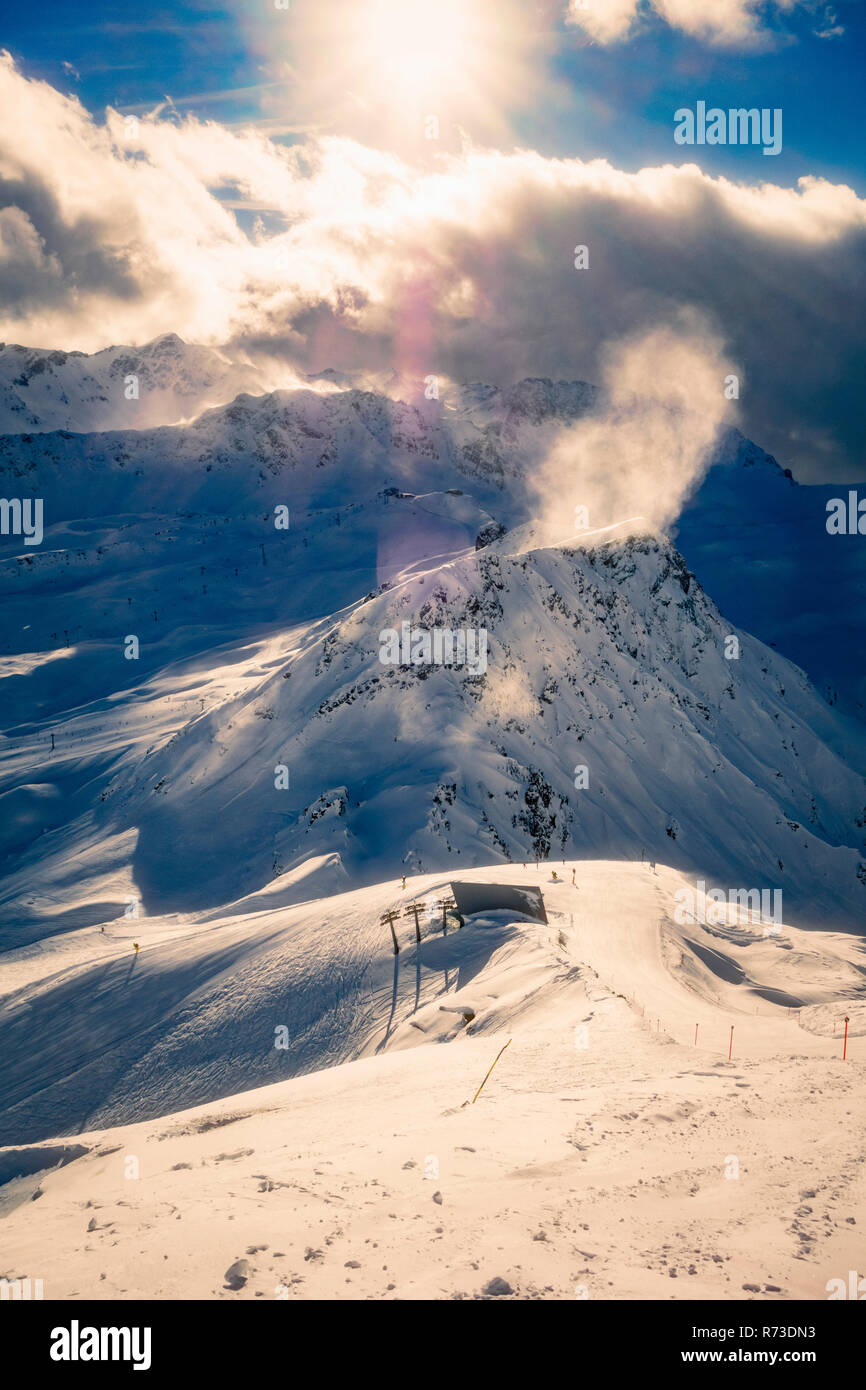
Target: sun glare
<point>374,67</point>
<point>418,49</point>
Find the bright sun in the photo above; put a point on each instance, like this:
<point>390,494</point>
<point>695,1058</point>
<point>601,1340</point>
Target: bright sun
<point>391,63</point>
<point>419,49</point>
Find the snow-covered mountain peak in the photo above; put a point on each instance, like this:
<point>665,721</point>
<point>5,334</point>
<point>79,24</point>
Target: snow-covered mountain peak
<point>118,387</point>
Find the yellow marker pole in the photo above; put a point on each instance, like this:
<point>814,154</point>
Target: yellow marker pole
<point>492,1065</point>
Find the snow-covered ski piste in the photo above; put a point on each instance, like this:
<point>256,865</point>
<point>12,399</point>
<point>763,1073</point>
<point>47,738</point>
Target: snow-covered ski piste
<point>270,1103</point>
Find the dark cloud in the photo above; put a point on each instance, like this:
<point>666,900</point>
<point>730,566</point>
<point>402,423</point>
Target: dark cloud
<point>464,268</point>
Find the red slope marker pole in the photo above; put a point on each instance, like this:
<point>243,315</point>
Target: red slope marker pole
<point>731,1044</point>
<point>696,1035</point>
<point>845,1043</point>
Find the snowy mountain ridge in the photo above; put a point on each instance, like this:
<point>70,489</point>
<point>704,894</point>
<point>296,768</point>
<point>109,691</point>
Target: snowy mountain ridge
<point>42,389</point>
<point>756,539</point>
<point>119,387</point>
<point>255,646</point>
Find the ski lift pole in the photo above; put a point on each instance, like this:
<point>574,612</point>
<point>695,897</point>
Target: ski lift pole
<point>390,918</point>
<point>414,910</point>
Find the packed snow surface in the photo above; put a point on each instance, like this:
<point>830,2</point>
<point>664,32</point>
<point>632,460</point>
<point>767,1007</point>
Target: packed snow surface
<point>608,1154</point>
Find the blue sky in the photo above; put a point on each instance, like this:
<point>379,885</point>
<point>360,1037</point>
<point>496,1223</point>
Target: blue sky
<point>633,89</point>
<point>613,101</point>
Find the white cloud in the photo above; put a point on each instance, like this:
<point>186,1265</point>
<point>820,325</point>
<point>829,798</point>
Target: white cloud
<point>334,254</point>
<point>606,20</point>
<point>734,23</point>
<point>830,26</point>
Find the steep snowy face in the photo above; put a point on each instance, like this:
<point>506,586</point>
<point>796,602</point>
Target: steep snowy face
<point>118,388</point>
<point>506,706</point>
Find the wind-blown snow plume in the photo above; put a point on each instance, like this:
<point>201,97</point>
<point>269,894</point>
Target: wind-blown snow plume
<point>633,462</point>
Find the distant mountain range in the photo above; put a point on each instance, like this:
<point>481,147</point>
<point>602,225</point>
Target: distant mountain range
<point>42,390</point>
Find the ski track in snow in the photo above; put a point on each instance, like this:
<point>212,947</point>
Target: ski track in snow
<point>593,1162</point>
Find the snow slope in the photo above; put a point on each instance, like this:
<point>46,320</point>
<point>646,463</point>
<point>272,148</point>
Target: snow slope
<point>192,1018</point>
<point>596,1162</point>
